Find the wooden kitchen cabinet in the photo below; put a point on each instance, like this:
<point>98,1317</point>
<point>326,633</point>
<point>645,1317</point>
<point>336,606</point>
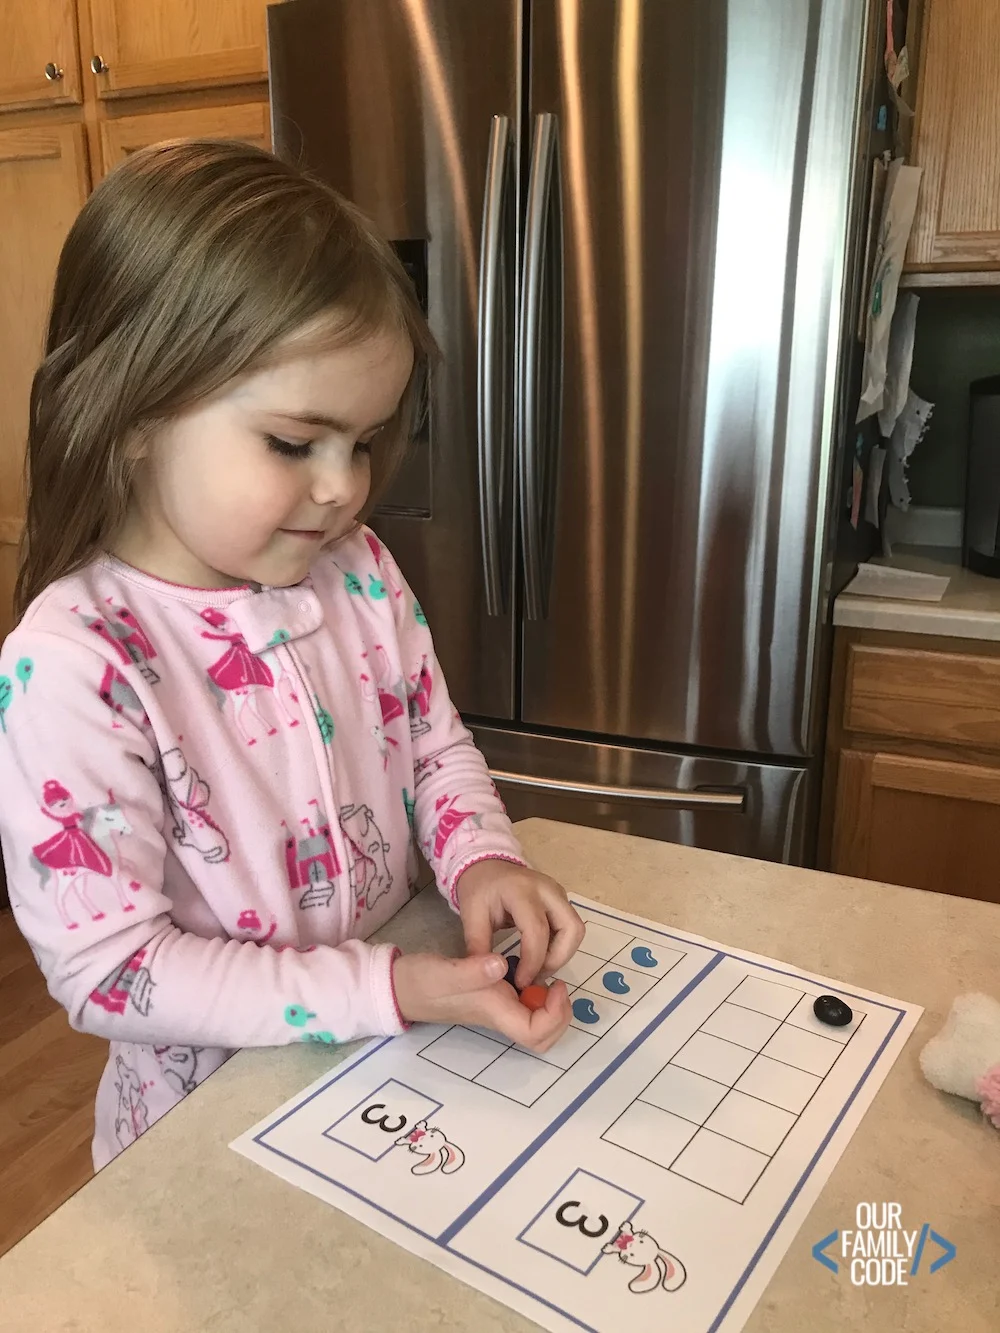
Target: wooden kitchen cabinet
<point>956,138</point>
<point>125,134</point>
<point>928,823</point>
<point>43,184</point>
<point>167,69</point>
<point>912,779</point>
<point>947,696</point>
<point>163,45</point>
<point>35,36</point>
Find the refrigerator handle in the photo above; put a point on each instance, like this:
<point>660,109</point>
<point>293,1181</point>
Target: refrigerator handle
<point>492,372</point>
<point>539,364</point>
<point>732,799</point>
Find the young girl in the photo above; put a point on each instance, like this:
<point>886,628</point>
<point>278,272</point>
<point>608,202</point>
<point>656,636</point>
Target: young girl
<point>226,729</point>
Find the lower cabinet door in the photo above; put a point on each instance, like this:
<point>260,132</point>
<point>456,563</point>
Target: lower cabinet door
<point>926,823</point>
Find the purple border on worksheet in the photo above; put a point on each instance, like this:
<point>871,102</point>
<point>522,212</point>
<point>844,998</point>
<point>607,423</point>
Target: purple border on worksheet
<point>450,1232</point>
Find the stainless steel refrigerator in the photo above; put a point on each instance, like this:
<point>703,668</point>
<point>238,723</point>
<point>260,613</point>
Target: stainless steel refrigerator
<point>628,221</point>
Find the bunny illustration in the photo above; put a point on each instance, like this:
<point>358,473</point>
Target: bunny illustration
<point>638,1249</point>
<point>188,795</point>
<point>132,1117</point>
<point>180,1066</point>
<point>433,1149</point>
<point>369,872</point>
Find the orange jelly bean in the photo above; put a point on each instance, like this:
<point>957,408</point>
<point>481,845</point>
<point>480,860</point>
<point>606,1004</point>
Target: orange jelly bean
<point>533,997</point>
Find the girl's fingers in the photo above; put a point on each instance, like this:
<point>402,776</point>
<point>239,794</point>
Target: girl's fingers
<point>566,932</point>
<point>533,924</point>
<point>477,925</point>
<point>549,1023</point>
<point>503,1012</point>
<point>546,1025</point>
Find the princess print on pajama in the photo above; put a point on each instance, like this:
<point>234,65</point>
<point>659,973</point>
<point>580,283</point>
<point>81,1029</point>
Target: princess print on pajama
<point>241,674</point>
<point>77,853</point>
<point>389,697</point>
<point>389,583</point>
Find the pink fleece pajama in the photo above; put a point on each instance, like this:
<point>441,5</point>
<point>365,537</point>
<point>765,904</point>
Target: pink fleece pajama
<point>211,798</point>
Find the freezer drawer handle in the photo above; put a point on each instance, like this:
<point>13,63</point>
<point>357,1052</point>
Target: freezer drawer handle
<point>540,364</point>
<point>732,800</point>
<point>493,391</point>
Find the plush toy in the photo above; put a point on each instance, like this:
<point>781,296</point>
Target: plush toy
<point>964,1057</point>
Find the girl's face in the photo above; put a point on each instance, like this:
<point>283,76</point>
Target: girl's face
<point>250,484</point>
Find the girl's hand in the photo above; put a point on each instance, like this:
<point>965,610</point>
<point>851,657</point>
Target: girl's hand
<point>433,989</point>
<point>493,894</point>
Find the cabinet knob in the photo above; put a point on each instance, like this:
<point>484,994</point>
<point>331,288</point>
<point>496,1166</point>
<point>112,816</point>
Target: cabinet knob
<point>53,72</point>
<point>98,65</point>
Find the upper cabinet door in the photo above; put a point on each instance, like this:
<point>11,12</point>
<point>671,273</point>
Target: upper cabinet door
<point>170,44</point>
<point>43,184</point>
<point>39,57</point>
<point>957,138</point>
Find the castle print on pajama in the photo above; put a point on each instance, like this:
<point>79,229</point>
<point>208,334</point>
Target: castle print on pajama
<point>120,697</point>
<point>197,776</point>
<point>418,700</point>
<point>450,820</point>
<point>119,627</point>
<point>129,984</point>
<point>311,862</point>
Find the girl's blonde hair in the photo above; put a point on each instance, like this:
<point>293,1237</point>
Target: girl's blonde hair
<point>187,266</point>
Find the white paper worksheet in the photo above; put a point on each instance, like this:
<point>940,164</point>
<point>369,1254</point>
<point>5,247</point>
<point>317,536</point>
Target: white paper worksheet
<point>647,1172</point>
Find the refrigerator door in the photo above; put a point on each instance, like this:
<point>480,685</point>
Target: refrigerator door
<point>748,809</point>
<point>395,106</point>
<point>706,152</point>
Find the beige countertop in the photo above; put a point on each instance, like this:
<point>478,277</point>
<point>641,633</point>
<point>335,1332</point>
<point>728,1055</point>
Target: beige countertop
<point>970,609</point>
<point>180,1234</point>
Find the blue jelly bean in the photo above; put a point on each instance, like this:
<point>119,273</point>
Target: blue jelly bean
<point>615,982</point>
<point>642,956</point>
<point>512,961</point>
<point>584,1010</point>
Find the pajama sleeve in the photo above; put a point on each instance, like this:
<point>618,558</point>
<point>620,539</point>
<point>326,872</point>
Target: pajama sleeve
<point>458,815</point>
<point>92,908</point>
